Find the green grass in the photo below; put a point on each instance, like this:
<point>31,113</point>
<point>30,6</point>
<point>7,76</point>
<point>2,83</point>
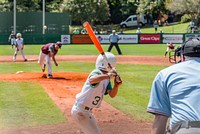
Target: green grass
<point>133,94</point>
<point>148,50</point>
<point>26,104</point>
<point>176,28</point>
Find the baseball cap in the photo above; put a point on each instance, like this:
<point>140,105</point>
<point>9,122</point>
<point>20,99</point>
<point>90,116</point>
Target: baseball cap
<point>59,44</point>
<point>113,31</point>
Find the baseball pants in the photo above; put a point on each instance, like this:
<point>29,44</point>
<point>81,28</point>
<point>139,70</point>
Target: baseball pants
<point>85,119</point>
<point>116,46</point>
<point>41,60</point>
<point>19,48</point>
<point>12,41</point>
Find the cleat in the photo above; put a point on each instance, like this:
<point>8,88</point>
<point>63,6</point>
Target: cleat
<point>49,76</point>
<point>25,60</point>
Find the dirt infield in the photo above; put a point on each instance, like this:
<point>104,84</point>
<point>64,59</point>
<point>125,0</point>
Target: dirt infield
<point>149,60</point>
<point>110,120</point>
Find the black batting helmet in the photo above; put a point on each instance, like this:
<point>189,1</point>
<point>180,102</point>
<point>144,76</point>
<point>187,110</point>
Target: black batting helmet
<point>191,48</point>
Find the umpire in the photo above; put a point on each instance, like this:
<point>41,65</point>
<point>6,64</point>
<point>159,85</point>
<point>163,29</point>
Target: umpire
<point>175,94</point>
<point>113,39</point>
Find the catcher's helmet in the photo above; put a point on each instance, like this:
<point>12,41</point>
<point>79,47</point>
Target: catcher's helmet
<point>59,44</point>
<point>102,64</point>
<point>19,35</point>
<point>191,48</point>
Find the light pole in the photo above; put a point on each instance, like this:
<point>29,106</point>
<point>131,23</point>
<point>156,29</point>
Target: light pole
<point>43,17</point>
<point>14,16</point>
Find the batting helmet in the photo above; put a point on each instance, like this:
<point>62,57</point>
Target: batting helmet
<point>191,48</point>
<point>19,35</point>
<point>59,44</point>
<point>102,64</point>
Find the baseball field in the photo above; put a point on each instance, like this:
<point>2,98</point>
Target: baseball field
<point>32,104</point>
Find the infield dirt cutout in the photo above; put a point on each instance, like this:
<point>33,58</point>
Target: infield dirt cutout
<point>63,89</point>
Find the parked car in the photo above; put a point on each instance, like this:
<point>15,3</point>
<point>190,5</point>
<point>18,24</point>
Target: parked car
<point>134,20</point>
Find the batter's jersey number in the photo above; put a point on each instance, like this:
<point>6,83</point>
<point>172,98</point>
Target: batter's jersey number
<point>96,101</point>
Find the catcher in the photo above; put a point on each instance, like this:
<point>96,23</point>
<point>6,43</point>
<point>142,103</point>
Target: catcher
<point>47,51</point>
<point>96,86</point>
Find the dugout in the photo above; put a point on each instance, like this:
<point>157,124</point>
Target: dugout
<point>30,25</point>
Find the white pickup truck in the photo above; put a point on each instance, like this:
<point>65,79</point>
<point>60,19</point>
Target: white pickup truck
<point>134,20</point>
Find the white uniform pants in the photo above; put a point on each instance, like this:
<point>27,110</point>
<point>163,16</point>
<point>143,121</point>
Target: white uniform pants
<point>12,41</point>
<point>41,60</point>
<point>85,119</point>
<point>19,48</point>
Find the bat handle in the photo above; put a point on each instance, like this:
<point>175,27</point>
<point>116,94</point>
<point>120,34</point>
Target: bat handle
<point>118,80</point>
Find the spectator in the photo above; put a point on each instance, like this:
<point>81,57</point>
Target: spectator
<point>138,31</point>
<point>12,38</point>
<point>19,46</point>
<point>113,39</point>
<point>83,31</point>
<point>96,32</point>
<point>76,31</point>
<point>120,32</point>
<point>175,94</point>
<point>192,25</point>
<point>155,25</point>
<point>46,52</point>
<point>161,31</point>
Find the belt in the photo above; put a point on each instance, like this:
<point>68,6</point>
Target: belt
<point>188,124</point>
<point>185,124</point>
<point>82,106</point>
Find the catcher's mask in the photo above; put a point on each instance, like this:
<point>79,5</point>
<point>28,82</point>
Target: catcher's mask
<point>102,64</point>
<point>191,48</point>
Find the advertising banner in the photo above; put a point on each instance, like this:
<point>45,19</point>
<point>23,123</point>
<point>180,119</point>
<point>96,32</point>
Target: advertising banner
<point>150,38</point>
<point>174,38</point>
<point>65,39</point>
<point>126,39</point>
<point>81,39</point>
<point>187,36</point>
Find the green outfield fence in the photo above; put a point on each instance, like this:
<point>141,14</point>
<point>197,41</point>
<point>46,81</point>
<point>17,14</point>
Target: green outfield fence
<point>30,25</point>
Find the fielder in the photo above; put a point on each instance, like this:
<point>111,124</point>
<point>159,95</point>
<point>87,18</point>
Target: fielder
<point>19,46</point>
<point>96,86</point>
<point>12,39</point>
<point>170,47</point>
<point>47,51</point>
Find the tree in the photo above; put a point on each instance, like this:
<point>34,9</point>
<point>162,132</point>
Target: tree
<point>190,7</point>
<point>121,9</point>
<point>30,5</point>
<point>87,10</point>
<point>153,7</point>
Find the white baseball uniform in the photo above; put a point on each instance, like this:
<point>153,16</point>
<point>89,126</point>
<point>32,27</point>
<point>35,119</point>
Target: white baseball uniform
<point>19,47</point>
<point>90,97</point>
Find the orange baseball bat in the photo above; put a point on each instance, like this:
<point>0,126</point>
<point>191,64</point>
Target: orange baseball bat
<point>93,37</point>
<point>97,43</point>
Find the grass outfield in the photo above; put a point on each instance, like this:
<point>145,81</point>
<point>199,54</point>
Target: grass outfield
<point>133,95</point>
<point>26,104</point>
<point>147,50</point>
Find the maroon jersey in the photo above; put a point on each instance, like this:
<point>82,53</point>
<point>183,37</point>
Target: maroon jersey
<point>46,49</point>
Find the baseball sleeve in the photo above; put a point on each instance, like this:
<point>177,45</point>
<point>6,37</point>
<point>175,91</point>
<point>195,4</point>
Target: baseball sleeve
<point>159,101</point>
